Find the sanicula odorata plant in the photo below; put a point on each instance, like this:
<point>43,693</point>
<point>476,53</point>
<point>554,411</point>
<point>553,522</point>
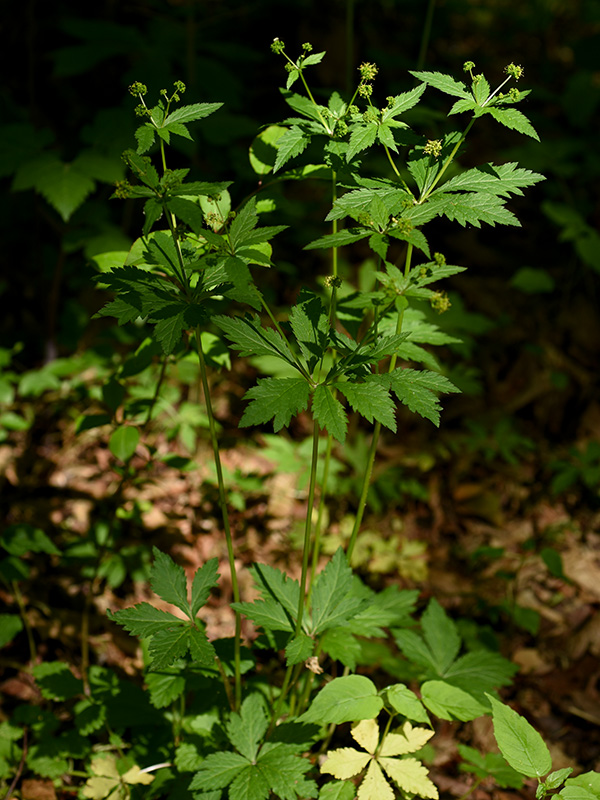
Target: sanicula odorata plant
<point>342,351</point>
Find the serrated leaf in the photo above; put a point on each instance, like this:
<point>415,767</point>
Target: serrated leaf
<point>299,649</point>
<point>444,83</point>
<point>341,644</point>
<point>201,650</point>
<point>346,699</point>
<point>64,186</point>
<point>441,635</point>
<point>361,138</point>
<point>278,399</point>
<point>520,744</point>
<point>410,775</point>
<point>144,620</point>
<point>313,58</point>
<point>345,762</point>
<point>513,119</point>
<point>370,400</point>
<point>480,671</point>
<point>408,741</point>
<point>267,614</point>
<point>329,412</point>
<point>338,790</point>
<point>472,208</point>
<point>168,581</point>
<point>167,645</point>
<point>357,202</point>
<point>340,238</point>
<point>402,102</point>
<point>123,442</point>
<point>450,702</point>
<point>56,681</point>
<point>415,649</point>
<point>217,771</point>
<point>310,325</point>
<point>415,390</point>
<point>246,729</point>
<point>164,688</point>
<point>290,145</point>
<point>374,785</point>
<point>245,221</point>
<point>331,602</point>
<point>252,339</point>
<point>192,113</point>
<point>497,179</point>
<point>145,138</point>
<point>205,578</point>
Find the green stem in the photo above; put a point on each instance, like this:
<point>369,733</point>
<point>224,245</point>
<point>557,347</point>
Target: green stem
<point>319,526</point>
<point>472,789</point>
<point>362,503</point>
<point>426,34</point>
<point>446,163</point>
<point>385,733</point>
<point>161,377</point>
<point>225,516</point>
<point>26,625</point>
<point>308,527</point>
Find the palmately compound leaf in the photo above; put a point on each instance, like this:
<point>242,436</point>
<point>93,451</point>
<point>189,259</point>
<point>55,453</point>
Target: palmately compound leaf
<point>345,762</point>
<point>217,771</point>
<point>371,401</point>
<point>450,702</point>
<point>192,112</point>
<point>332,602</point>
<point>499,179</point>
<point>441,635</point>
<point>514,119</point>
<point>278,399</point>
<point>246,729</point>
<point>415,389</point>
<point>520,744</point>
<point>143,619</point>
<point>480,671</point>
<point>407,703</point>
<point>410,775</point>
<point>329,412</point>
<point>299,649</point>
<point>249,337</point>
<point>167,646</point>
<point>204,580</point>
<point>408,741</point>
<point>169,582</point>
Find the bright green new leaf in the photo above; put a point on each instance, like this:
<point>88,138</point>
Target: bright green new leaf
<point>520,744</point>
<point>402,102</point>
<point>168,581</point>
<point>577,793</point>
<point>450,702</point>
<point>123,442</point>
<point>345,700</point>
<point>407,703</point>
<point>329,412</point>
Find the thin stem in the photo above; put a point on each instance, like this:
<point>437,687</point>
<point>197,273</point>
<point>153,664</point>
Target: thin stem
<point>447,162</point>
<point>472,789</point>
<point>26,625</point>
<point>362,503</point>
<point>426,34</point>
<point>225,516</point>
<point>230,697</point>
<point>385,733</point>
<point>161,377</point>
<point>308,527</point>
<point>19,771</point>
<point>319,526</point>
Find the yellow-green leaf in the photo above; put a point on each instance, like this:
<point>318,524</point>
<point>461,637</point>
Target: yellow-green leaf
<point>135,775</point>
<point>366,733</point>
<point>345,762</point>
<point>374,785</point>
<point>410,775</point>
<point>409,741</point>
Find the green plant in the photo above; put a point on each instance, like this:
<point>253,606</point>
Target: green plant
<point>251,719</point>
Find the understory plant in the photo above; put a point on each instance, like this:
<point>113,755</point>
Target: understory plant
<point>267,712</point>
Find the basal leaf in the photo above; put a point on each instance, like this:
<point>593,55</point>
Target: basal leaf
<point>169,582</point>
<point>164,687</point>
<point>444,83</point>
<point>329,412</point>
<point>371,401</point>
<point>278,399</point>
<point>520,744</point>
<point>341,644</point>
<point>332,602</point>
<point>143,619</point>
<point>286,773</point>
<point>441,635</point>
<point>246,729</point>
<point>217,771</point>
<point>205,578</point>
<point>273,583</point>
<point>346,699</point>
